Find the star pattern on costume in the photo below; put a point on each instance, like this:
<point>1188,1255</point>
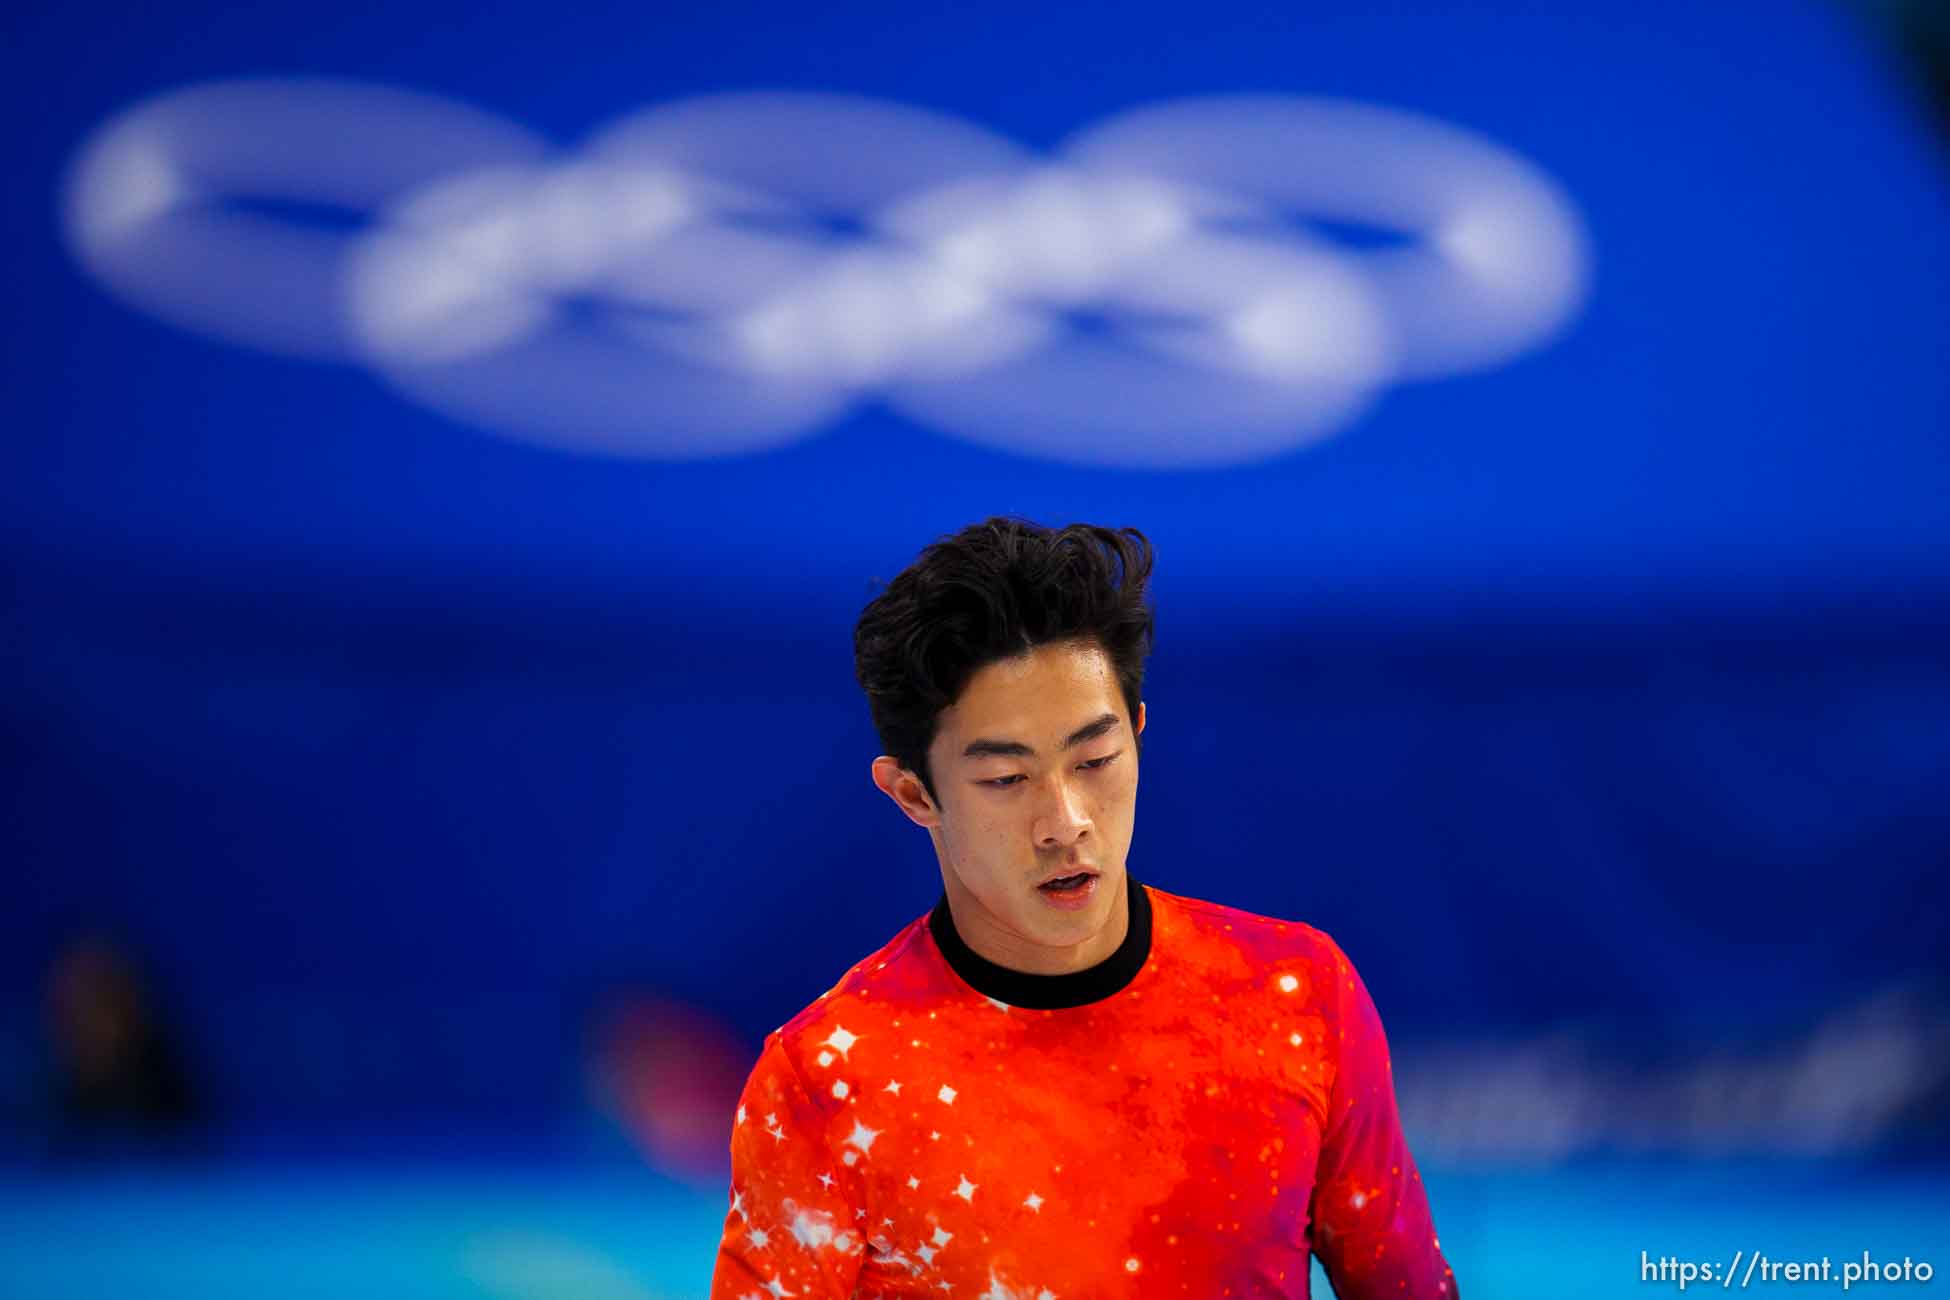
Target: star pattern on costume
<point>811,1230</point>
<point>998,1291</point>
<point>1303,999</point>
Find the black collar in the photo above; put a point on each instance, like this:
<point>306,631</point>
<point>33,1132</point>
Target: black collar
<point>1049,992</point>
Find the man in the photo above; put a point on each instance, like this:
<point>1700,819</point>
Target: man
<point>1062,1083</point>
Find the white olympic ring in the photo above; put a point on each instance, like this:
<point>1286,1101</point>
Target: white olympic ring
<point>734,272</point>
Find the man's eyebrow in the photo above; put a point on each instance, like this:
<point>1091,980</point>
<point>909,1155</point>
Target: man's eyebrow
<point>1016,749</point>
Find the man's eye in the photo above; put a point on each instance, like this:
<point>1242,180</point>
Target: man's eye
<point>1003,782</point>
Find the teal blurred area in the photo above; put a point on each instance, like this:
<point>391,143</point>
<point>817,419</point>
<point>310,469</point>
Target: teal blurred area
<point>490,1229</point>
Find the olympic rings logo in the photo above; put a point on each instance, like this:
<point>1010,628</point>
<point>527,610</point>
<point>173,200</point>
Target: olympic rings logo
<point>738,271</point>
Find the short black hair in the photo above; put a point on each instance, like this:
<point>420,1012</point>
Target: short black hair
<point>993,591</point>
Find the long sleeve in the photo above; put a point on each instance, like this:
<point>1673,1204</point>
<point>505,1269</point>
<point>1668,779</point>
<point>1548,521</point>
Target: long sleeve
<point>1372,1228</point>
<point>797,1209</point>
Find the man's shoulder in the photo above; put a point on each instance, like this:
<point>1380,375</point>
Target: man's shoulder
<point>1263,934</point>
<point>1241,948</point>
<point>899,958</point>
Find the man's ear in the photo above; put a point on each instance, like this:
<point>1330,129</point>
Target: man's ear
<point>1137,725</point>
<point>906,790</point>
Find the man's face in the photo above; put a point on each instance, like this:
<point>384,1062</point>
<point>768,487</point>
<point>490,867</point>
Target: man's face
<point>1036,769</point>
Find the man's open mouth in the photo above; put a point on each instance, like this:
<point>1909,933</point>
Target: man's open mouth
<point>1063,884</point>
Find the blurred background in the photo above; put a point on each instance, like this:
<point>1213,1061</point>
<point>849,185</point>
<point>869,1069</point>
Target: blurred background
<point>447,448</point>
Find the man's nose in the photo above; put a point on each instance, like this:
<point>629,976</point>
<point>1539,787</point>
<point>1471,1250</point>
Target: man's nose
<point>1064,821</point>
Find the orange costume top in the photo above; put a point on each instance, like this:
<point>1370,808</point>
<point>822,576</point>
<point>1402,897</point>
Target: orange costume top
<point>1190,1117</point>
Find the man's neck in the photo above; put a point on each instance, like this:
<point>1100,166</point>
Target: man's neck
<point>1046,988</point>
<point>987,938</point>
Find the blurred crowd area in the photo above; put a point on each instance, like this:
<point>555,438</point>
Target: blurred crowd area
<point>654,1080</point>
